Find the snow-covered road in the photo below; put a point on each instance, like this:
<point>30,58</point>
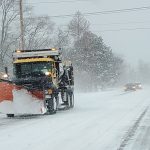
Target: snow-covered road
<point>99,121</point>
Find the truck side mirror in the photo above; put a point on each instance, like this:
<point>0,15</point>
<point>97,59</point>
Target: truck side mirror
<point>6,70</point>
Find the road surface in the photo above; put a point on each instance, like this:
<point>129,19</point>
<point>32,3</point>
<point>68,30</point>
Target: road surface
<point>107,120</point>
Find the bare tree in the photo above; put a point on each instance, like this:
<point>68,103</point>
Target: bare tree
<point>38,31</point>
<point>61,38</point>
<point>78,25</point>
<point>1,2</point>
<point>8,15</point>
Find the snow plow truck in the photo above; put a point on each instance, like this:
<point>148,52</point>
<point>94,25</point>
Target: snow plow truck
<point>41,84</point>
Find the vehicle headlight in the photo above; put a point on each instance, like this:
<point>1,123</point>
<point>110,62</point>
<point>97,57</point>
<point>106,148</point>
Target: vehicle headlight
<point>5,76</point>
<point>49,91</point>
<point>46,91</point>
<point>47,73</point>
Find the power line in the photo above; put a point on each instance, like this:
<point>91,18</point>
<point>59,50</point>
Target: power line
<point>125,29</point>
<point>107,12</point>
<point>120,23</point>
<point>54,2</point>
<point>115,23</point>
<point>122,29</point>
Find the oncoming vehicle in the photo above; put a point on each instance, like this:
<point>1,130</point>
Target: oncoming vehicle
<point>132,86</point>
<point>138,85</point>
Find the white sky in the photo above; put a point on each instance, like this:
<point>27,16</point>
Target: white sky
<point>133,45</point>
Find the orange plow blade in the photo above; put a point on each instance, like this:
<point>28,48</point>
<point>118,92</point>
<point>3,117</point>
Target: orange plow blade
<point>6,91</point>
<point>18,100</point>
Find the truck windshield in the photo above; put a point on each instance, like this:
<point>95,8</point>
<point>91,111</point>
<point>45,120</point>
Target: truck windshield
<point>32,69</point>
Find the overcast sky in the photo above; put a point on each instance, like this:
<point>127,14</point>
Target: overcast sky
<point>120,31</point>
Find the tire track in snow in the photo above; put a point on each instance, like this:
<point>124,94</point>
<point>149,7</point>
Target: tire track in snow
<point>132,130</point>
<point>125,115</point>
<point>125,93</point>
<point>8,122</point>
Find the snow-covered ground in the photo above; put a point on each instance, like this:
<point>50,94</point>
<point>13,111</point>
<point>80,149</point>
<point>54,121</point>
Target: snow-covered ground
<point>108,120</point>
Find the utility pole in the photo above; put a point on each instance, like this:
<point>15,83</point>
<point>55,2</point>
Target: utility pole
<point>22,43</point>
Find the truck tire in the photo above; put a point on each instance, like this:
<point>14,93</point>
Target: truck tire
<point>70,100</point>
<point>52,105</point>
<point>10,115</point>
<point>64,96</point>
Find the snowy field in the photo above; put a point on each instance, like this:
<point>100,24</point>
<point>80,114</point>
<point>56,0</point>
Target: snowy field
<point>108,120</point>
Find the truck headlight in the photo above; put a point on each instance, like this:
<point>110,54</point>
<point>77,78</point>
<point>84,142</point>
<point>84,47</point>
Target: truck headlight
<point>5,76</point>
<point>49,91</point>
<point>47,73</point>
<point>46,91</point>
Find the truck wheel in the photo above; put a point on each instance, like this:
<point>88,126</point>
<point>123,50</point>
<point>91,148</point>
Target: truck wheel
<point>10,115</point>
<point>64,97</point>
<point>52,105</point>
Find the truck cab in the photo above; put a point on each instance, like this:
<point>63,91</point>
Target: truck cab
<point>30,66</point>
